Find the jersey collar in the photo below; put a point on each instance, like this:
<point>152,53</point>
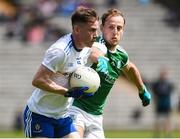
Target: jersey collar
<point>78,50</point>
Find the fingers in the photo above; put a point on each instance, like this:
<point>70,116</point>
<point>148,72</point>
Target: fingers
<point>84,88</point>
<point>146,98</point>
<point>146,102</point>
<point>100,68</point>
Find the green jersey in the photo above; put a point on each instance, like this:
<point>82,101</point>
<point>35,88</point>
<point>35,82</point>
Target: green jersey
<point>95,104</point>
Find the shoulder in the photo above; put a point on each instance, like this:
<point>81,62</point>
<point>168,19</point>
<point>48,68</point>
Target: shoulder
<point>100,46</point>
<point>64,39</point>
<point>123,56</point>
<point>121,49</point>
<point>64,45</point>
<point>122,52</point>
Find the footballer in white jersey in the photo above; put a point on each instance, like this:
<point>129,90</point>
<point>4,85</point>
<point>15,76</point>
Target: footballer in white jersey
<point>46,112</point>
<point>43,107</point>
<point>59,58</point>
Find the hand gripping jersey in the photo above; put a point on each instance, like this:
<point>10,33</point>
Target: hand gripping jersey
<point>62,58</point>
<point>117,60</point>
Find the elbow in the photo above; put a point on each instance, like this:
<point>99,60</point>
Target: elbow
<point>131,65</point>
<point>34,82</point>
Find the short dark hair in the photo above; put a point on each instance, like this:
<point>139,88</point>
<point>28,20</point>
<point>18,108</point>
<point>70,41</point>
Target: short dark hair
<point>84,15</point>
<point>110,13</point>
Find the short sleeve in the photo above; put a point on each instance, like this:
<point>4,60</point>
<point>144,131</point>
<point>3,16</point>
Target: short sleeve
<point>100,46</point>
<point>125,59</point>
<point>124,55</point>
<point>53,59</point>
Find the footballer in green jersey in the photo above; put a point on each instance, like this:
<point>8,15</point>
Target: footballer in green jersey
<point>87,112</point>
<point>117,60</point>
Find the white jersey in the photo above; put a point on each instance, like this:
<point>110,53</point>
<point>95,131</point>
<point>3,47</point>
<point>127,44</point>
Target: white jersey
<point>62,58</point>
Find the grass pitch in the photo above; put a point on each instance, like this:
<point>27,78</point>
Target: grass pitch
<point>108,134</point>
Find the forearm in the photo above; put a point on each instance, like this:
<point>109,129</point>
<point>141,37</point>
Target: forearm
<point>43,80</point>
<point>50,86</point>
<point>133,74</point>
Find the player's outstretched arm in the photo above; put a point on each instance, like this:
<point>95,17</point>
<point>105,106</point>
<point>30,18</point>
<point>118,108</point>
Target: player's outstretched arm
<point>133,74</point>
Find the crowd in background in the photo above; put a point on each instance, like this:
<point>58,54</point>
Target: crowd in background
<point>31,22</point>
<point>173,16</point>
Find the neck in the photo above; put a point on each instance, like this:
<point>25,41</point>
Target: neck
<point>113,50</point>
<point>77,42</point>
<point>111,47</point>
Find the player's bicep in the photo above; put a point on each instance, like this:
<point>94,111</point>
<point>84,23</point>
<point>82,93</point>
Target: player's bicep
<point>42,76</point>
<point>130,71</point>
<point>126,68</point>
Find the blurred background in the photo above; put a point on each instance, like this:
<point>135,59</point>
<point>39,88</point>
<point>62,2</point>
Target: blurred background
<point>151,38</point>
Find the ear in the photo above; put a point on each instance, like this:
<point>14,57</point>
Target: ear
<point>76,29</point>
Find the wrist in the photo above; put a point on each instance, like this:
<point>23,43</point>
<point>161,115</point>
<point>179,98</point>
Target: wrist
<point>143,88</point>
<point>66,92</point>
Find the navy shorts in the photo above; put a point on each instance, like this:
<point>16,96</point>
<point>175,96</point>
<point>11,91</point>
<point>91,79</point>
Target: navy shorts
<point>36,125</point>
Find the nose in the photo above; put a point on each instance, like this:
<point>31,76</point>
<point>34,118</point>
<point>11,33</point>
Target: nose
<point>96,34</point>
<point>115,31</point>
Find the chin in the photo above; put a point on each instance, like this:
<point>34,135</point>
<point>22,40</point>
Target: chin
<point>114,44</point>
<point>90,45</point>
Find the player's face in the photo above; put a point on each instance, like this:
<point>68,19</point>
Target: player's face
<point>113,30</point>
<point>89,32</point>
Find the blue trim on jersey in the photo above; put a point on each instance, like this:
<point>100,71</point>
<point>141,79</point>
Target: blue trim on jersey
<point>68,46</point>
<point>36,125</point>
<point>68,51</point>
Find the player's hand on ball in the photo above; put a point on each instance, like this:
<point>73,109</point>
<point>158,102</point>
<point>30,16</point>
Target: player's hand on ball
<point>76,92</point>
<point>102,65</point>
<point>145,96</point>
